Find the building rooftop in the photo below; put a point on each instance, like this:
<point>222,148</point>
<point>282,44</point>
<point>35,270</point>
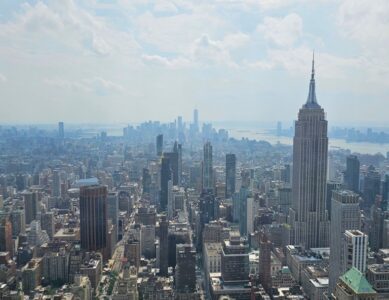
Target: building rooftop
<point>355,280</point>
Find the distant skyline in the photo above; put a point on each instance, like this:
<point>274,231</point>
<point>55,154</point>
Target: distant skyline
<point>129,61</point>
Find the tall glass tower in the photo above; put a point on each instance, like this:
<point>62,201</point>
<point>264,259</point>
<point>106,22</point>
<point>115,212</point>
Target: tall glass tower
<point>309,218</point>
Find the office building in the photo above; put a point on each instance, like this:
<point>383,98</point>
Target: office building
<point>354,286</point>
<point>371,187</point>
<point>310,146</point>
<point>61,130</point>
<point>235,259</point>
<point>207,178</point>
<point>159,144</point>
<point>166,176</point>
<point>230,174</point>
<point>354,250</point>
<point>345,215</point>
<point>163,246</point>
<point>93,217</point>
<point>185,272</point>
<point>264,270</point>
<point>30,206</point>
<point>351,175</point>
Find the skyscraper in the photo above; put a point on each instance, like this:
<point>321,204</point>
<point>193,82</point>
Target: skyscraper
<point>113,207</point>
<point>355,250</point>
<point>61,130</point>
<point>93,217</point>
<point>30,206</point>
<point>185,273</point>
<point>310,146</point>
<point>163,246</point>
<point>235,259</point>
<point>159,144</point>
<point>173,158</point>
<point>345,215</point>
<point>207,167</point>
<point>264,270</point>
<point>196,120</point>
<point>371,187</point>
<point>352,173</point>
<point>166,175</point>
<point>230,174</point>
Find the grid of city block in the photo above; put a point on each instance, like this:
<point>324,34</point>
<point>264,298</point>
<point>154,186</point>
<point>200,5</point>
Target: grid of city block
<point>196,207</point>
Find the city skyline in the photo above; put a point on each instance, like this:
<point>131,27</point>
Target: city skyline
<point>117,60</point>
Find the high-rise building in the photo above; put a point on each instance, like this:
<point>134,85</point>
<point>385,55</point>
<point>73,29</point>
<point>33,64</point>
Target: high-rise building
<point>345,215</point>
<point>230,174</point>
<point>159,144</point>
<point>354,250</point>
<point>146,181</point>
<point>163,246</point>
<point>196,120</point>
<point>178,149</point>
<point>353,286</point>
<point>371,187</point>
<point>207,167</point>
<point>351,174</point>
<point>93,217</point>
<point>113,207</point>
<point>235,259</point>
<point>61,130</point>
<point>147,241</point>
<point>47,223</point>
<point>331,186</point>
<point>185,272</point>
<point>243,196</point>
<point>264,270</point>
<point>56,184</point>
<point>166,176</point>
<point>30,206</point>
<point>309,217</point>
<point>385,192</point>
<point>6,242</point>
<point>174,163</point>
<point>18,222</point>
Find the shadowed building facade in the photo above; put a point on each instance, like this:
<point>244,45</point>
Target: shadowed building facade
<point>93,217</point>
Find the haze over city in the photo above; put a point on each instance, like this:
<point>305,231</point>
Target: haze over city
<point>194,150</point>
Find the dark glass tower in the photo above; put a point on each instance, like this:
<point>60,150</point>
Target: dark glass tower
<point>166,175</point>
<point>185,273</point>
<point>159,144</point>
<point>352,173</point>
<point>230,174</point>
<point>207,167</point>
<point>163,246</point>
<point>93,217</point>
<point>309,217</point>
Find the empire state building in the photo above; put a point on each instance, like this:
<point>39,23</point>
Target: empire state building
<point>308,215</point>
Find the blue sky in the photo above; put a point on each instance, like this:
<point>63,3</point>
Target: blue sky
<point>134,60</point>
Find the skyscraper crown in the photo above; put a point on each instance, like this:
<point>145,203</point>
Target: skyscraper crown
<point>312,101</point>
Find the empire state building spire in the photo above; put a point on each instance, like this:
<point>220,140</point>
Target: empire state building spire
<point>308,215</point>
<point>312,101</point>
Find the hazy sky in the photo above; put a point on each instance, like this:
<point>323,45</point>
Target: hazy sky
<point>134,60</point>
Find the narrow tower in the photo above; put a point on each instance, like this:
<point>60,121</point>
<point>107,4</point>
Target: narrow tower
<point>309,218</point>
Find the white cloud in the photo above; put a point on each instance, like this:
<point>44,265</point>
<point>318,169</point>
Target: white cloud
<point>173,63</point>
<point>64,27</point>
<point>97,85</point>
<point>282,31</point>
<point>165,7</point>
<point>3,78</point>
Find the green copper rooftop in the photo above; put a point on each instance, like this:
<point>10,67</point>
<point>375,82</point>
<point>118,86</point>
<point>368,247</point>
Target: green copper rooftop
<point>357,282</point>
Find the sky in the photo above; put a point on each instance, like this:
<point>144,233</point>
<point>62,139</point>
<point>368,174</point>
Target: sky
<point>127,61</point>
